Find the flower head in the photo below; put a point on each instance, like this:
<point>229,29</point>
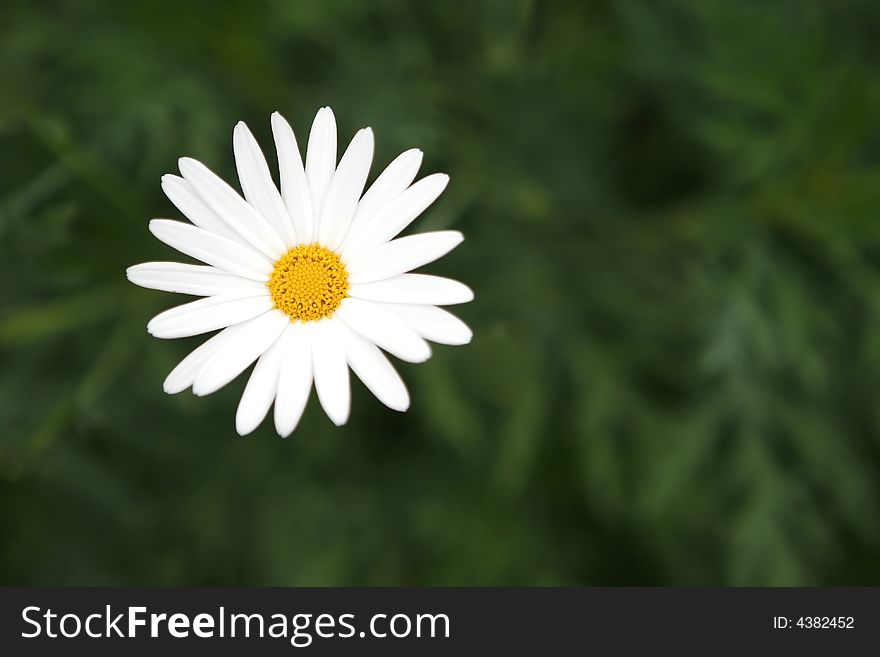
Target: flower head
<point>309,280</point>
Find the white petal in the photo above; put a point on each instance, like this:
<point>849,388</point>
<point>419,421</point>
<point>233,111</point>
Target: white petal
<point>331,370</point>
<point>414,288</point>
<point>399,213</point>
<point>294,186</point>
<point>208,314</point>
<point>259,393</point>
<point>401,255</point>
<point>384,329</point>
<point>199,280</point>
<point>184,196</point>
<point>295,378</point>
<point>432,323</point>
<point>345,189</point>
<point>221,252</point>
<point>321,157</point>
<point>373,368</point>
<point>182,376</point>
<point>256,182</point>
<point>396,177</point>
<point>241,351</point>
<point>232,208</point>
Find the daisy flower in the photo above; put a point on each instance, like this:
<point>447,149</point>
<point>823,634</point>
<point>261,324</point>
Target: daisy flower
<point>309,280</point>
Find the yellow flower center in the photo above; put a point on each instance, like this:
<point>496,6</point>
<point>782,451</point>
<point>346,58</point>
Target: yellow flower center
<point>308,283</point>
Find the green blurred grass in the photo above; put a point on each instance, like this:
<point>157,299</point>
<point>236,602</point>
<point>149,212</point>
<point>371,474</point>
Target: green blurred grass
<point>671,211</point>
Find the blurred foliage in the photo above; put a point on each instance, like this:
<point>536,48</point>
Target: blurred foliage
<point>673,222</point>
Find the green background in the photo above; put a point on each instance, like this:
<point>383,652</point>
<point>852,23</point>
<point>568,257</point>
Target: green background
<point>672,212</point>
